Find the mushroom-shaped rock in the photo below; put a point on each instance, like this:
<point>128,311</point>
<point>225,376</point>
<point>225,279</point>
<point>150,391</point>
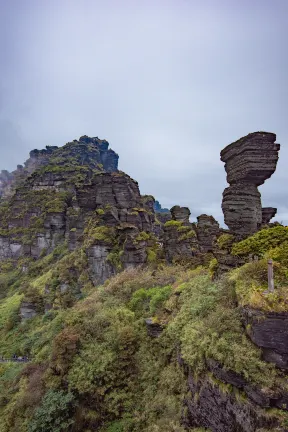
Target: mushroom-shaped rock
<point>248,162</point>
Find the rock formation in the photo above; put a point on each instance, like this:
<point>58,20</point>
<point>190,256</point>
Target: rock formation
<point>248,162</point>
<point>180,241</point>
<point>269,331</point>
<point>76,193</point>
<point>267,214</point>
<point>208,230</point>
<point>85,151</point>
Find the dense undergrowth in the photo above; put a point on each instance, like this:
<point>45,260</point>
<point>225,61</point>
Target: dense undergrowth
<point>95,367</point>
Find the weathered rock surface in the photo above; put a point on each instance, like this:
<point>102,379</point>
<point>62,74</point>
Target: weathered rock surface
<point>27,310</point>
<point>180,214</point>
<point>248,162</point>
<point>251,159</point>
<point>179,236</point>
<point>207,230</point>
<point>220,411</point>
<point>242,208</point>
<point>100,268</point>
<point>267,214</point>
<point>265,399</point>
<point>269,331</point>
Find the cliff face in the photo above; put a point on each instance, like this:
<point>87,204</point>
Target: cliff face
<point>67,189</point>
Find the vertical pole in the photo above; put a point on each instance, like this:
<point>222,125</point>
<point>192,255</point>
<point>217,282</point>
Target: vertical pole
<point>270,276</point>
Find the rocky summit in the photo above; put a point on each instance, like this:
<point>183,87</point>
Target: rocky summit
<point>118,315</point>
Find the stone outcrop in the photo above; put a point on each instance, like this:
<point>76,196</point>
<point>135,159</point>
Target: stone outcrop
<point>220,411</point>
<point>27,310</point>
<point>267,214</point>
<point>248,162</point>
<point>179,238</point>
<point>180,214</point>
<point>207,230</point>
<point>269,331</point>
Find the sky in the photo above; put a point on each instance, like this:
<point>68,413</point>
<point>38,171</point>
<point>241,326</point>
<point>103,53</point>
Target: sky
<point>169,83</point>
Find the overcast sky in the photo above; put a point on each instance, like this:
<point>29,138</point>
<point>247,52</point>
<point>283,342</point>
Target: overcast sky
<point>168,83</point>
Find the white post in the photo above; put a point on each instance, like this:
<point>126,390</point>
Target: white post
<point>270,276</point>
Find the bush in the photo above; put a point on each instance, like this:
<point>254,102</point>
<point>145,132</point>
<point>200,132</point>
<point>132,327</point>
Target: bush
<point>54,414</point>
<point>262,241</point>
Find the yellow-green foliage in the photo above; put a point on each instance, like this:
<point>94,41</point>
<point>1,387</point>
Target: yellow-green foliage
<point>173,223</point>
<point>209,326</point>
<point>213,266</point>
<point>262,241</point>
<point>251,287</point>
<point>100,234</point>
<point>251,280</point>
<point>8,307</point>
<point>225,241</point>
<point>187,235</point>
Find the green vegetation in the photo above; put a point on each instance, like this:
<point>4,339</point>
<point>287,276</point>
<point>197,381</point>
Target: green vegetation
<point>251,279</point>
<point>225,241</point>
<point>262,241</point>
<point>54,414</point>
<point>94,364</point>
<point>173,223</point>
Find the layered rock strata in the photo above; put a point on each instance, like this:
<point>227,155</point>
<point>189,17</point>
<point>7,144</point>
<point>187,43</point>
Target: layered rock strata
<point>267,214</point>
<point>248,162</point>
<point>269,331</point>
<point>93,152</point>
<point>208,230</point>
<point>179,239</point>
<point>78,195</point>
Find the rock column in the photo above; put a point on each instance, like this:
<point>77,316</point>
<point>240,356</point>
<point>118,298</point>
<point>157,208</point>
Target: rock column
<point>248,163</point>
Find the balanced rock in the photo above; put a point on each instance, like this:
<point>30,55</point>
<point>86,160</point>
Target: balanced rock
<point>251,159</point>
<point>248,162</point>
<point>267,214</point>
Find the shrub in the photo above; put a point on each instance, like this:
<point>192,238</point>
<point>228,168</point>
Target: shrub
<point>54,414</point>
<point>262,241</point>
<point>173,223</point>
<point>225,241</point>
